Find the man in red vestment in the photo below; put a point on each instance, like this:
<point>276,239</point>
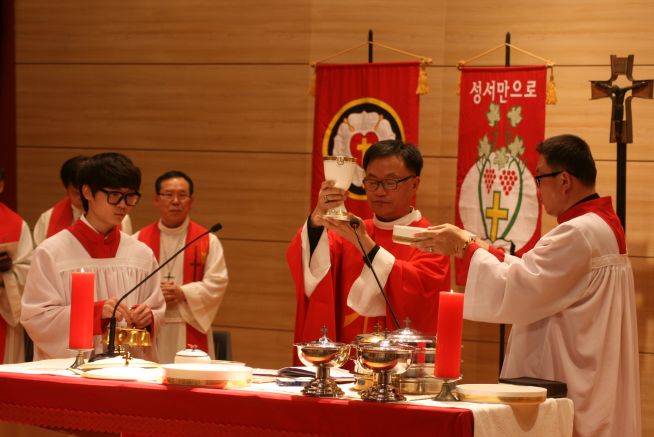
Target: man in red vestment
<point>66,212</point>
<point>15,255</point>
<point>194,284</point>
<point>333,285</point>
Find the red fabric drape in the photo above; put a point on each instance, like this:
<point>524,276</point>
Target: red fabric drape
<point>501,120</point>
<point>357,105</point>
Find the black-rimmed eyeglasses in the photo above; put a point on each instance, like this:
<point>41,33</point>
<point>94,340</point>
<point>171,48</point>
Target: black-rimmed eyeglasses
<point>547,175</point>
<point>115,197</point>
<point>387,184</point>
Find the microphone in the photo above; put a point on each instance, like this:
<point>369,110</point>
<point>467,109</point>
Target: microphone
<point>112,322</point>
<point>354,224</point>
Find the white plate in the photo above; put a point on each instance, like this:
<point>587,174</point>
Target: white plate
<point>125,373</point>
<point>501,393</point>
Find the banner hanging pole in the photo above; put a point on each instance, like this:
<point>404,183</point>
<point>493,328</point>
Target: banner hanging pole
<point>507,63</point>
<point>370,46</point>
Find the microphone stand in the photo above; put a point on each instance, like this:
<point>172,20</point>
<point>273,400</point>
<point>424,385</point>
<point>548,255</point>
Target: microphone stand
<point>354,224</point>
<point>112,322</point>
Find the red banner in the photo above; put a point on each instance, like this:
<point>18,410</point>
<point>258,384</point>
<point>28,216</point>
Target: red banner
<point>356,106</point>
<point>501,120</point>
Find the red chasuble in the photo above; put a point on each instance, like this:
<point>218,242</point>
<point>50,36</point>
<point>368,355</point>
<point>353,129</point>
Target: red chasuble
<point>12,225</point>
<point>194,262</point>
<point>412,288</point>
<point>61,218</point>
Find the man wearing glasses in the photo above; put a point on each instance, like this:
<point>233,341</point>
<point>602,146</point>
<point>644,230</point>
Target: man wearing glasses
<point>333,285</point>
<point>109,185</point>
<point>570,299</point>
<point>66,212</point>
<point>193,284</point>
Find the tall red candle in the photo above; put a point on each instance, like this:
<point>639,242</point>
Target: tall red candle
<point>81,310</point>
<point>450,327</point>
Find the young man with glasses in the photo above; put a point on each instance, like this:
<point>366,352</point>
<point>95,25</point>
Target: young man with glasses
<point>15,256</point>
<point>194,283</point>
<point>109,184</point>
<point>66,212</point>
<point>333,285</point>
<point>570,299</point>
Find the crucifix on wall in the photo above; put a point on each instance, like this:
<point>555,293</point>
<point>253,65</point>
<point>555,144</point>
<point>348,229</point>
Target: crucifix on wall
<point>621,126</point>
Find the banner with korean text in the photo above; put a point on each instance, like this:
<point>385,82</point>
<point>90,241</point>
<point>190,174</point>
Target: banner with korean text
<point>501,120</point>
<point>356,106</point>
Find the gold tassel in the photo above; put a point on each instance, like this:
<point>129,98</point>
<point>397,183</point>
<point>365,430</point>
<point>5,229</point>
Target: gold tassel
<point>423,81</point>
<point>312,85</point>
<point>550,96</point>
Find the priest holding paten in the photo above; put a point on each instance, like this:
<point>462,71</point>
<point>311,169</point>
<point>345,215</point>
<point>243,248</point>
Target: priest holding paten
<point>335,288</point>
<point>570,299</point>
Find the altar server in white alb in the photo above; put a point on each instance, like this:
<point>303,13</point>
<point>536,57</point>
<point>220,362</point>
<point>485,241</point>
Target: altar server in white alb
<point>110,188</point>
<point>66,212</point>
<point>15,255</point>
<point>570,299</point>
<point>195,282</point>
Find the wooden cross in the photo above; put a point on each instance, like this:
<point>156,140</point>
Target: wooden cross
<point>621,127</point>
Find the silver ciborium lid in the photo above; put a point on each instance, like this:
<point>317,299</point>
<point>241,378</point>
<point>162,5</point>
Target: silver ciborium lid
<point>384,359</point>
<point>323,354</point>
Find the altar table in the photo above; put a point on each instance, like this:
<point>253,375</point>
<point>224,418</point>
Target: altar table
<point>132,408</point>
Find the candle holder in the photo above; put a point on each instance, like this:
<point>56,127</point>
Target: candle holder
<point>447,390</point>
<point>79,358</point>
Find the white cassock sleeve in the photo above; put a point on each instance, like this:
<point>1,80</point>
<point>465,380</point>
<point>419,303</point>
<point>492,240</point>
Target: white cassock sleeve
<point>41,227</point>
<point>547,279</point>
<point>14,279</point>
<point>203,298</point>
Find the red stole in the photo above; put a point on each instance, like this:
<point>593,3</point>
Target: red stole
<point>12,227</point>
<point>61,218</point>
<point>195,257</point>
<point>603,208</point>
<point>96,244</point>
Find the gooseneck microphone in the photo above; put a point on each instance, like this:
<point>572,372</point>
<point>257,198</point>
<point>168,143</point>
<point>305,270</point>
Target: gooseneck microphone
<point>354,224</point>
<point>112,322</point>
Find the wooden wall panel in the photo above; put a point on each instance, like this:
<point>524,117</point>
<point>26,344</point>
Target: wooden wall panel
<point>264,348</point>
<point>261,293</point>
<point>191,107</point>
<point>162,31</point>
<point>582,32</point>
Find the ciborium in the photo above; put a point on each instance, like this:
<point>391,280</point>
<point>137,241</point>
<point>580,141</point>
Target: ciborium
<point>384,359</point>
<point>339,169</point>
<point>323,354</point>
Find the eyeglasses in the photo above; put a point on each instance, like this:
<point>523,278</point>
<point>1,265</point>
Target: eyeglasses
<point>547,175</point>
<point>169,196</point>
<point>387,184</point>
<point>115,197</point>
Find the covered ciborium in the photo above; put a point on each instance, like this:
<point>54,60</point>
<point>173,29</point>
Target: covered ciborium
<point>323,354</point>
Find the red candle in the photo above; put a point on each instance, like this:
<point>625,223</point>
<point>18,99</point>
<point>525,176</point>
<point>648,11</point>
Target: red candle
<point>81,310</point>
<point>450,327</point>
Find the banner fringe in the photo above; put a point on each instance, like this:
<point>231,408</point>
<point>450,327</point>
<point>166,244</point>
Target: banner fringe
<point>423,80</point>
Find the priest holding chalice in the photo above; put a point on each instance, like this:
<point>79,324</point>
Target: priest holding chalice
<point>334,287</point>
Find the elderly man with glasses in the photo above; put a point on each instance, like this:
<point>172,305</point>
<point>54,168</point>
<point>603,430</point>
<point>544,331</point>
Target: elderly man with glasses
<point>570,299</point>
<point>193,284</point>
<point>109,184</point>
<point>335,288</point>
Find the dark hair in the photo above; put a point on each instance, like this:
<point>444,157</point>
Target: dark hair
<point>173,174</point>
<point>572,154</point>
<point>108,170</point>
<point>2,174</point>
<point>69,169</point>
<point>408,152</point>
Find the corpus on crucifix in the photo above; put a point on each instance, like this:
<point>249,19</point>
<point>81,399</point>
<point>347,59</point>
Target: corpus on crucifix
<point>621,126</point>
